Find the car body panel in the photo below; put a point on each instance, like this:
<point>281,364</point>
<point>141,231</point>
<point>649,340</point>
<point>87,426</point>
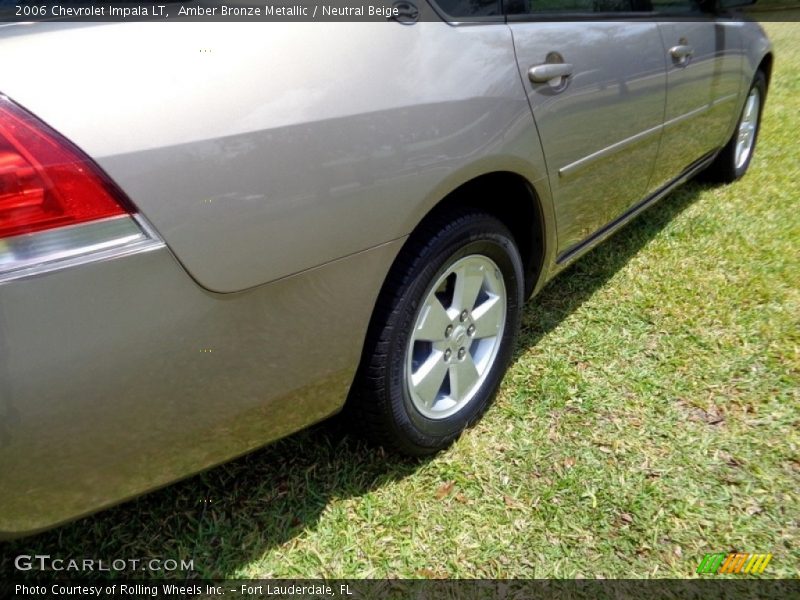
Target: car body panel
<point>123,375</point>
<point>260,171</point>
<point>701,95</point>
<point>605,121</point>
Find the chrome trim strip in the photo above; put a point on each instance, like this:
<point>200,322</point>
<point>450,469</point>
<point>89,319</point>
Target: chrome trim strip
<point>724,99</point>
<point>699,110</point>
<point>584,162</point>
<point>613,226</point>
<point>685,116</point>
<point>42,252</point>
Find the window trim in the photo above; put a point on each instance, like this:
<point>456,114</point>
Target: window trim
<point>458,21</point>
<point>568,16</point>
<point>652,16</point>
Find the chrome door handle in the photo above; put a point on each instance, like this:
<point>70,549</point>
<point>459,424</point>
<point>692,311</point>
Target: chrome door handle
<point>681,52</point>
<point>548,71</point>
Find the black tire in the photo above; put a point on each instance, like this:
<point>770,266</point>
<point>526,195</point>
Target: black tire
<point>724,169</point>
<point>380,404</point>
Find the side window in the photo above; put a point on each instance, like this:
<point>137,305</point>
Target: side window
<point>470,9</point>
<point>675,7</point>
<point>521,7</point>
<point>544,6</point>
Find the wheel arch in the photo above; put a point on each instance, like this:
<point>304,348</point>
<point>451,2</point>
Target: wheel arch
<point>511,198</point>
<point>766,66</point>
<point>505,195</point>
<point>522,210</point>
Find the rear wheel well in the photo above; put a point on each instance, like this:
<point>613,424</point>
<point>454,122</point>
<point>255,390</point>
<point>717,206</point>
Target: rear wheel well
<point>511,199</point>
<point>766,67</point>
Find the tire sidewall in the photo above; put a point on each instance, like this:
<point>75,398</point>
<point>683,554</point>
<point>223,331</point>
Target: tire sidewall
<point>496,243</point>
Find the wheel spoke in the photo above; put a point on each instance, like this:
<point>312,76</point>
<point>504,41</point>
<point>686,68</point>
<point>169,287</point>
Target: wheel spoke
<point>428,379</point>
<point>469,281</point>
<point>463,375</point>
<point>432,322</point>
<point>488,318</point>
<point>751,104</point>
<point>455,341</point>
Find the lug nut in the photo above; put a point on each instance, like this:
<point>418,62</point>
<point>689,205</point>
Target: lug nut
<point>447,354</point>
<point>461,353</point>
<point>448,330</point>
<point>464,315</point>
<point>471,330</point>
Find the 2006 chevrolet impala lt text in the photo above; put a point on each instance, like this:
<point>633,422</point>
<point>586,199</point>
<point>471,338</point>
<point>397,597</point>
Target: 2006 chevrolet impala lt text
<point>201,252</point>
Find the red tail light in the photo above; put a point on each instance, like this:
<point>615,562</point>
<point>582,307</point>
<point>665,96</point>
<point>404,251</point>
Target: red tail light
<point>45,181</point>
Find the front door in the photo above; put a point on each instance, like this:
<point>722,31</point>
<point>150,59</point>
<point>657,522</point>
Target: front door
<point>597,92</point>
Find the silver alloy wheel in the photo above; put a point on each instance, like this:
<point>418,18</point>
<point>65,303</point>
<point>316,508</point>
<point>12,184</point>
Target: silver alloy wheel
<point>456,336</point>
<point>747,128</point>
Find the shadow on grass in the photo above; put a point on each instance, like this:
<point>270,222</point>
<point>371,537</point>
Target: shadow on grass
<point>576,284</point>
<point>226,518</point>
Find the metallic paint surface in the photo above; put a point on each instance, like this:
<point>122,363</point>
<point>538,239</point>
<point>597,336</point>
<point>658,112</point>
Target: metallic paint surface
<point>123,375</point>
<point>253,159</point>
<point>616,93</point>
<point>701,96</point>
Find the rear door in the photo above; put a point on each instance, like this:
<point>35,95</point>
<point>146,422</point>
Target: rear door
<point>597,91</point>
<point>703,80</point>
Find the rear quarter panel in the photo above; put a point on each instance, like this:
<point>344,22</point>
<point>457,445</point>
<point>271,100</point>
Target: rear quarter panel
<point>259,150</point>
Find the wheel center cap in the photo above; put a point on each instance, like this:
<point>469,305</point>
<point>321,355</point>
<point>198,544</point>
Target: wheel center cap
<point>459,335</point>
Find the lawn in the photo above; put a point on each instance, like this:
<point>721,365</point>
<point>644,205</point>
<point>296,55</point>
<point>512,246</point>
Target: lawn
<point>652,414</point>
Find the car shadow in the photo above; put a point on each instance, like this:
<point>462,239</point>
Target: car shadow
<point>226,518</point>
<point>572,287</point>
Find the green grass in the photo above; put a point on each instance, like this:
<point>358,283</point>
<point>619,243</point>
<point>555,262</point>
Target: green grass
<point>650,416</point>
